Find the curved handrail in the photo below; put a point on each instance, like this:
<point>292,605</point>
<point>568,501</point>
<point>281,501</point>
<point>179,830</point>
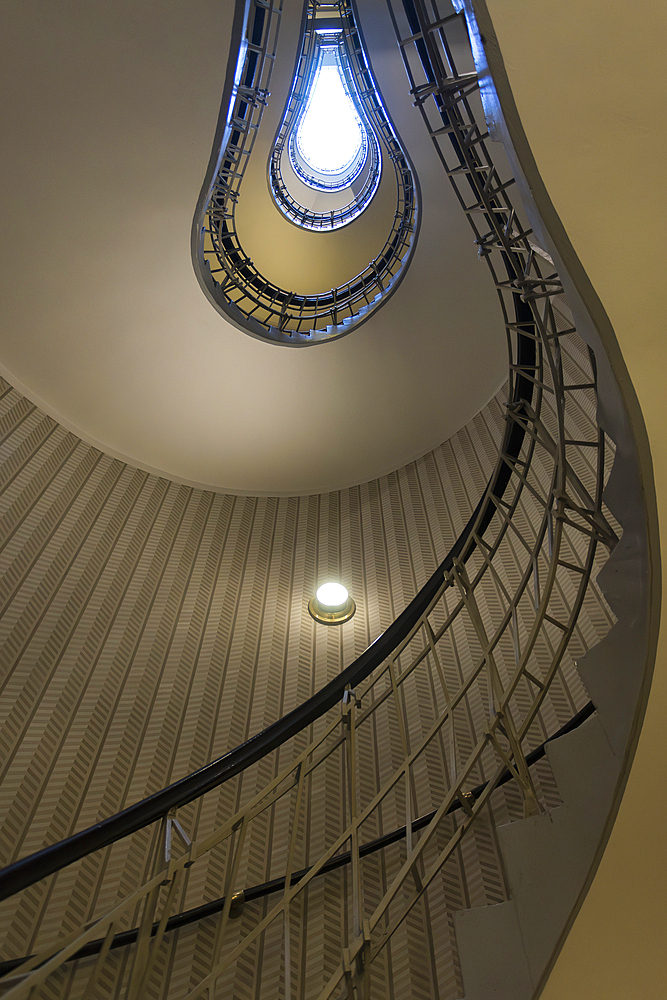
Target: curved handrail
<point>368,169</point>
<point>536,368</point>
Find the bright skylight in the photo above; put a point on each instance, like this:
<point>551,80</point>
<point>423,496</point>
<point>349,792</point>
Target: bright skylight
<point>329,135</point>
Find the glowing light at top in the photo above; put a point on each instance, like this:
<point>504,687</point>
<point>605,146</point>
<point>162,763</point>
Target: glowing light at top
<point>329,135</point>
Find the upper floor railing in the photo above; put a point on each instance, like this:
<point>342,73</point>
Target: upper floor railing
<point>226,273</point>
<point>366,169</point>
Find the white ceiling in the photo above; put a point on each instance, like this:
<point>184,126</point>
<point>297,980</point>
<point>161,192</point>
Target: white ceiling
<point>108,118</point>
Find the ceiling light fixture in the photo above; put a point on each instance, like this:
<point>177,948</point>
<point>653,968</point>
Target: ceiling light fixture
<point>331,605</point>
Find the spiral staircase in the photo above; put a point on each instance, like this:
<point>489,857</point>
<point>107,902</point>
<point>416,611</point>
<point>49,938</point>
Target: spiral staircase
<point>436,809</point>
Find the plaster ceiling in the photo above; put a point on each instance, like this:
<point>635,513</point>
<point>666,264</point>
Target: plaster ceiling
<point>109,116</point>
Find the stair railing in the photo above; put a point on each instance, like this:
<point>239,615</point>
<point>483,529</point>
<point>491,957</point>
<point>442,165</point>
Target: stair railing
<point>470,678</point>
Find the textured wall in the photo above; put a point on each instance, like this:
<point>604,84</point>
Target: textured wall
<point>148,627</point>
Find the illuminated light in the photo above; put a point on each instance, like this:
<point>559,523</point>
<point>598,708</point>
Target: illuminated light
<point>329,135</point>
<point>332,595</point>
<point>332,605</point>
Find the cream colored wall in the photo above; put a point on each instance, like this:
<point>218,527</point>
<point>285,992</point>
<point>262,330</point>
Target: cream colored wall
<point>588,81</point>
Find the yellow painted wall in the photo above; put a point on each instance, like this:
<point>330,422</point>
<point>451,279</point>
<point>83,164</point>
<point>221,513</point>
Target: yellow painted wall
<point>589,81</point>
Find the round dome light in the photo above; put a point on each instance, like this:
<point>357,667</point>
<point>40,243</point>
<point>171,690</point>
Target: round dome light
<point>332,605</point>
<point>331,595</point>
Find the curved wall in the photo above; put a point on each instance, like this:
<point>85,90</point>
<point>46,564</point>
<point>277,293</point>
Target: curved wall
<point>148,627</point>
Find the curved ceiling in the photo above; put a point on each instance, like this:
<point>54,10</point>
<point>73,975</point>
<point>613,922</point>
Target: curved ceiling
<point>110,112</point>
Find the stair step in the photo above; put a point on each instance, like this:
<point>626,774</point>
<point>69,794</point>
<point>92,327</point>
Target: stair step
<point>547,860</point>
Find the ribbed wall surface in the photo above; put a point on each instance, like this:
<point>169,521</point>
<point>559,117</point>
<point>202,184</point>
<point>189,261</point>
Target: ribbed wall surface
<point>148,627</point>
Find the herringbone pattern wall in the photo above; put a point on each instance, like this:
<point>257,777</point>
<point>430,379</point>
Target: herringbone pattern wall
<point>148,627</point>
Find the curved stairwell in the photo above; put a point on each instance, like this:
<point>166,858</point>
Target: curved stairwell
<point>483,665</point>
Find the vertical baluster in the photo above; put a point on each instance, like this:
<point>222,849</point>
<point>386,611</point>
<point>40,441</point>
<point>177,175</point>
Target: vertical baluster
<point>232,867</point>
<point>288,879</point>
<point>101,959</point>
<point>154,947</point>
<point>350,708</point>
